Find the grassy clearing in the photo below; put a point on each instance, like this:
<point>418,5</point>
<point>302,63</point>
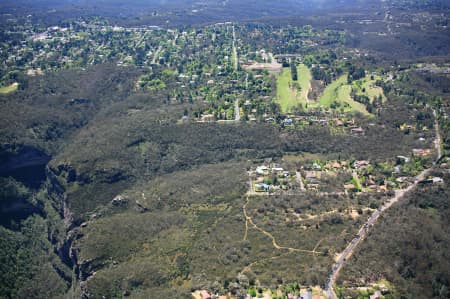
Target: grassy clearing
<point>8,89</point>
<point>367,87</point>
<point>286,95</point>
<point>289,93</point>
<point>304,81</point>
<point>338,93</point>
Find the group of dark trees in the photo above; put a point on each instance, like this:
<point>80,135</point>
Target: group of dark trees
<point>294,72</point>
<point>322,75</point>
<point>355,73</point>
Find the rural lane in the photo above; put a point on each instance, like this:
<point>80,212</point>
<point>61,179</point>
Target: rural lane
<point>365,228</point>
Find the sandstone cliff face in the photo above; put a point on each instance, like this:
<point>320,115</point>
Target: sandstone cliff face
<point>59,178</point>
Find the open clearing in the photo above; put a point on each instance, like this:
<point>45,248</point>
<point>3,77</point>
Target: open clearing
<point>366,86</point>
<point>8,89</point>
<point>338,94</point>
<point>304,81</point>
<point>290,93</point>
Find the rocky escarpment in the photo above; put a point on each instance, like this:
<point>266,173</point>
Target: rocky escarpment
<point>33,195</point>
<point>66,198</point>
<point>58,178</point>
<point>63,183</point>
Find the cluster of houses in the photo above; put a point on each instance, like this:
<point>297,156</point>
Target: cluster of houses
<point>376,295</point>
<point>445,163</point>
<point>301,120</point>
<point>203,294</point>
<point>306,295</point>
<point>321,121</point>
<point>262,172</point>
<point>272,178</point>
<point>432,180</point>
<point>419,152</point>
<point>313,173</point>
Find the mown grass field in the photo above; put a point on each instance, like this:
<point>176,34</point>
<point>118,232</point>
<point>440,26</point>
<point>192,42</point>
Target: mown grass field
<point>8,89</point>
<point>366,86</point>
<point>304,81</point>
<point>338,93</point>
<point>288,94</point>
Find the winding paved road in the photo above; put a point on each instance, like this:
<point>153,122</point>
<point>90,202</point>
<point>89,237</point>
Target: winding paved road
<point>237,112</point>
<point>363,231</point>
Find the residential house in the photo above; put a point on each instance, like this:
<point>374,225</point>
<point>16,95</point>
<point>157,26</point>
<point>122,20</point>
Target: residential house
<point>205,295</point>
<point>383,189</point>
<point>357,131</point>
<point>405,159</point>
<point>370,180</point>
<point>436,180</point>
<point>336,165</point>
<point>361,164</point>
<point>313,187</point>
<point>373,187</point>
<point>402,179</point>
<point>262,187</point>
<point>350,123</point>
<point>323,122</point>
<point>288,121</point>
<point>377,295</point>
<point>208,118</point>
<point>262,170</point>
<point>307,295</point>
<point>421,152</point>
<point>316,166</point>
<point>350,187</point>
<point>338,123</point>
